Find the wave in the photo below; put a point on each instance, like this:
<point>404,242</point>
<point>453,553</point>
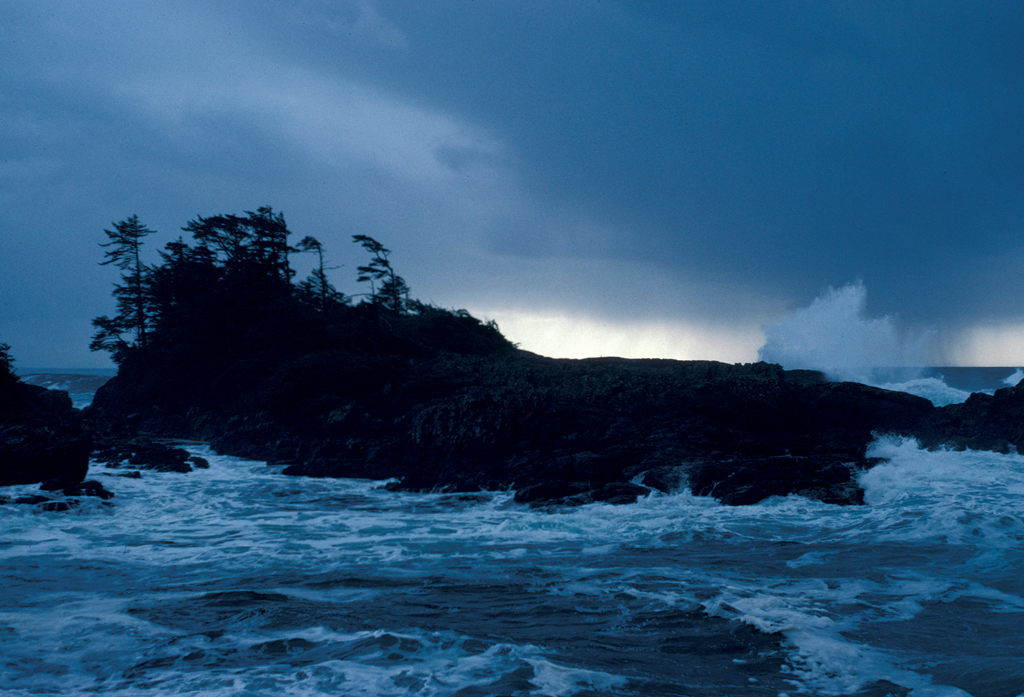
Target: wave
<point>835,335</point>
<point>933,389</point>
<point>1014,379</point>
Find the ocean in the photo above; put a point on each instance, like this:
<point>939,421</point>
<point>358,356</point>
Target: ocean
<point>237,580</point>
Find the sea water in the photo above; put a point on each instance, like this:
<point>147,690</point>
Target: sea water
<point>238,580</point>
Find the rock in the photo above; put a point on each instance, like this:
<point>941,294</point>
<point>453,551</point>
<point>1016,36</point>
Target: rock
<point>67,499</point>
<point>983,422</point>
<point>559,432</point>
<point>89,488</point>
<point>33,500</point>
<point>618,493</point>
<point>739,482</point>
<point>667,480</point>
<point>140,452</point>
<point>555,492</point>
<point>41,436</point>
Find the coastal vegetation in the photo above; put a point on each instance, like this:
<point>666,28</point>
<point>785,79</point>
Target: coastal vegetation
<point>217,342</point>
<point>6,365</point>
<point>219,329</point>
<point>133,316</point>
<point>229,295</point>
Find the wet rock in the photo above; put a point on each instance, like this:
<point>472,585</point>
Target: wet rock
<point>746,481</point>
<point>89,488</point>
<point>61,499</point>
<point>667,480</point>
<point>580,493</point>
<point>984,422</point>
<point>33,500</point>
<point>555,492</point>
<point>618,493</point>
<point>41,436</point>
<point>882,688</point>
<point>142,453</point>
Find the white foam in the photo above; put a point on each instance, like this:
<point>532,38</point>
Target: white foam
<point>818,573</point>
<point>833,335</point>
<point>824,660</point>
<point>559,681</point>
<point>1014,379</point>
<point>934,389</point>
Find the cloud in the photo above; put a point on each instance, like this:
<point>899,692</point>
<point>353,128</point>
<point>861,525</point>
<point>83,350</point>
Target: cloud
<point>623,163</point>
<point>564,335</point>
<point>987,345</point>
<point>370,24</point>
<point>357,21</point>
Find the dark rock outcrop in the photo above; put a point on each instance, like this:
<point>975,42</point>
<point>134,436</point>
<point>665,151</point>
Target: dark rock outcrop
<point>141,453</point>
<point>439,401</point>
<point>41,437</point>
<point>983,422</point>
<point>556,431</point>
<point>57,498</point>
<point>392,388</point>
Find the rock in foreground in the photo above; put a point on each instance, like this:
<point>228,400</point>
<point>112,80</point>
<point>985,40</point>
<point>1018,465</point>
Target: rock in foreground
<point>41,436</point>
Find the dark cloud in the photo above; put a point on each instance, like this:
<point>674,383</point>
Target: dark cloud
<point>564,156</point>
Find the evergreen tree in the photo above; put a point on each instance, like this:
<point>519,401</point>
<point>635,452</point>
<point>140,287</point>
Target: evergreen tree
<point>6,365</point>
<point>183,288</point>
<point>223,305</point>
<point>393,291</point>
<point>133,316</point>
<point>253,249</point>
<point>317,288</point>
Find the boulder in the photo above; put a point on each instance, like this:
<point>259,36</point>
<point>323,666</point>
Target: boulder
<point>983,422</point>
<point>41,437</point>
<point>140,452</point>
<point>745,481</point>
<point>61,499</point>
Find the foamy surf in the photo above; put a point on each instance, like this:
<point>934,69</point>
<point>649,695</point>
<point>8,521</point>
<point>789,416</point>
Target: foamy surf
<point>237,580</point>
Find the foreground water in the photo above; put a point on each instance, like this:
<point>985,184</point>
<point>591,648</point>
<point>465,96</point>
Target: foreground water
<point>237,580</point>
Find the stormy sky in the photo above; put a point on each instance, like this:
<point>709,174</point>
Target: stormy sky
<point>601,177</point>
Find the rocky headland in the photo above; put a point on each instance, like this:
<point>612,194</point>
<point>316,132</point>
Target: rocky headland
<point>442,402</point>
<point>219,344</point>
<point>556,431</point>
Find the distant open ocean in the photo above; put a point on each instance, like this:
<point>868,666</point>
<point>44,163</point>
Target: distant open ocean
<point>238,580</point>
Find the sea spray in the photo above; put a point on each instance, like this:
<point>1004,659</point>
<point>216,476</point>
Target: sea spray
<point>1014,380</point>
<point>934,389</point>
<point>834,335</point>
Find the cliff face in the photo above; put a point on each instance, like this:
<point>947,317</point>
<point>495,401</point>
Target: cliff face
<point>568,431</point>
